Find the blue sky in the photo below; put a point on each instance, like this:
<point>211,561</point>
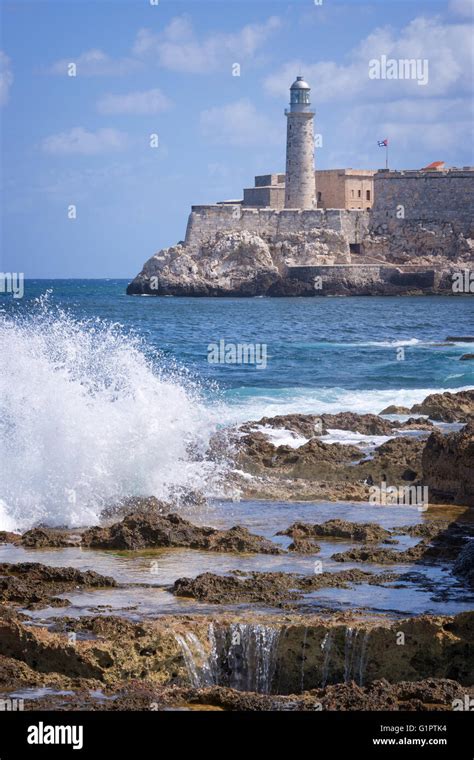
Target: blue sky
<point>166,69</point>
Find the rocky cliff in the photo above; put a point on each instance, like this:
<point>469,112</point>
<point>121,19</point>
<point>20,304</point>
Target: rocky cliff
<point>415,259</point>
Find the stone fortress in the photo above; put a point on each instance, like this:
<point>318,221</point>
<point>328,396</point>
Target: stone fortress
<point>323,232</point>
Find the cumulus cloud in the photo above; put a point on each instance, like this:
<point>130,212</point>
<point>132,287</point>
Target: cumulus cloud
<point>81,141</point>
<point>436,125</point>
<point>95,63</point>
<point>179,49</point>
<point>447,47</point>
<point>142,103</point>
<point>6,77</point>
<point>239,124</point>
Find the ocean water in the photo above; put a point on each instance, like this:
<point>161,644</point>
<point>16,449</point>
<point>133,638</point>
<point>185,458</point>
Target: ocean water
<point>104,395</point>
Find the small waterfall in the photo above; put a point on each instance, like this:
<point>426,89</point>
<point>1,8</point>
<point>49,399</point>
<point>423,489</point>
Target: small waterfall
<point>242,656</point>
<point>348,653</point>
<point>326,646</point>
<point>364,654</point>
<point>355,655</point>
<point>251,657</point>
<point>303,657</point>
<point>197,661</point>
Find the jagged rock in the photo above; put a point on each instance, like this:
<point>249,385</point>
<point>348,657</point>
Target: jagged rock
<point>448,466</point>
<point>394,409</point>
<point>9,538</point>
<point>366,532</point>
<point>304,546</point>
<point>466,357</point>
<point>39,538</point>
<point>464,565</point>
<point>445,546</point>
<point>447,407</point>
<point>312,460</point>
<point>141,531</point>
<point>238,263</point>
<point>34,585</point>
<point>367,424</point>
<point>268,588</point>
<point>305,425</point>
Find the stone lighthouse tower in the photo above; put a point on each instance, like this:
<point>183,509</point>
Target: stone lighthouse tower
<point>300,190</point>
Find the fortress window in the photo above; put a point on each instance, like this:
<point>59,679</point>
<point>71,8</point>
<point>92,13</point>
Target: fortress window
<point>359,193</point>
<point>320,196</point>
<point>367,195</point>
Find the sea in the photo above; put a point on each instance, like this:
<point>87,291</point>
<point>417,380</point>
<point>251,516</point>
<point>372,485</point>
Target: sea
<point>105,395</point>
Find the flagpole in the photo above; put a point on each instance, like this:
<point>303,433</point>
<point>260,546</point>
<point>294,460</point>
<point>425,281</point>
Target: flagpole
<point>386,156</point>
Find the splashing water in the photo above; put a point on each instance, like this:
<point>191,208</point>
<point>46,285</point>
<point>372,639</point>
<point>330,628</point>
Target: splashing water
<point>196,660</point>
<point>326,646</point>
<point>87,418</point>
<point>355,655</point>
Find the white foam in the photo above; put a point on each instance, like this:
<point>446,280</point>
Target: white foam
<point>322,400</point>
<point>348,437</point>
<point>282,436</point>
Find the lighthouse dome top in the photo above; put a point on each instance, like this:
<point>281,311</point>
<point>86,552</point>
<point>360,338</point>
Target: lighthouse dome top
<point>300,96</point>
<point>300,84</point>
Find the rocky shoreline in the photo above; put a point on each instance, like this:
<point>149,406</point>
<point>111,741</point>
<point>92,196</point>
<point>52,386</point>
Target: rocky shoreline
<point>253,640</point>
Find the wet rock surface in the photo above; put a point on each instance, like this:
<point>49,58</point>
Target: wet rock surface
<point>140,531</point>
<point>448,466</point>
<point>317,470</point>
<point>337,529</point>
<point>39,538</point>
<point>34,585</point>
<point>447,407</point>
<point>464,564</point>
<point>438,545</point>
<point>292,663</point>
<point>268,588</point>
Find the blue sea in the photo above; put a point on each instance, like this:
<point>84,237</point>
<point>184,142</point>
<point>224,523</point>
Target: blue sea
<point>104,395</point>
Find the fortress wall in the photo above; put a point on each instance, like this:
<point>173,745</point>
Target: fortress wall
<point>205,221</point>
<point>428,197</point>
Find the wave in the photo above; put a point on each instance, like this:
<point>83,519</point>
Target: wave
<point>253,403</point>
<point>88,418</point>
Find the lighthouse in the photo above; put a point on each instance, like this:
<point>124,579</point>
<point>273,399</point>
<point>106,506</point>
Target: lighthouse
<point>300,189</point>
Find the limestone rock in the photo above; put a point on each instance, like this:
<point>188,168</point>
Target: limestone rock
<point>448,466</point>
<point>447,407</point>
<point>141,531</point>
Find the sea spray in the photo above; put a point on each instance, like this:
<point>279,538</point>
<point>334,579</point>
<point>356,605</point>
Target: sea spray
<point>88,418</point>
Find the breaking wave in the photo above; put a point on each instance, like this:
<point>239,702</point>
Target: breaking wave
<point>88,417</point>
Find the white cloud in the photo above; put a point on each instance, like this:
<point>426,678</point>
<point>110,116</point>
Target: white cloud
<point>178,48</point>
<point>143,103</point>
<point>462,7</point>
<point>79,140</point>
<point>240,124</point>
<point>447,47</point>
<point>6,77</point>
<point>438,125</point>
<point>95,63</point>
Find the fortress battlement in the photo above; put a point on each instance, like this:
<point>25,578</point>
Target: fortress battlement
<point>206,221</point>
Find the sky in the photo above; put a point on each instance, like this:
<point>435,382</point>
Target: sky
<point>100,169</point>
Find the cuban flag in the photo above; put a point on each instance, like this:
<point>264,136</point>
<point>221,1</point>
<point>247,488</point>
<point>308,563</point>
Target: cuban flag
<point>382,143</point>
